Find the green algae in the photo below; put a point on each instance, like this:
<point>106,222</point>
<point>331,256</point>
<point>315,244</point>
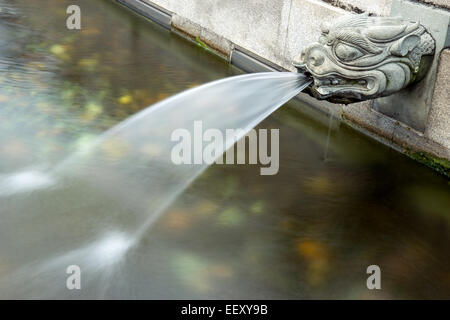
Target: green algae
<point>438,164</point>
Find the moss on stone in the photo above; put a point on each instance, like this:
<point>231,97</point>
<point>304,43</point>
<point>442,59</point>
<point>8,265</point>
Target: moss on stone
<point>201,43</point>
<point>439,164</point>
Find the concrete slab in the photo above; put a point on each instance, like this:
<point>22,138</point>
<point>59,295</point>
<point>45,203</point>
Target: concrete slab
<point>305,19</point>
<point>411,105</point>
<point>259,25</point>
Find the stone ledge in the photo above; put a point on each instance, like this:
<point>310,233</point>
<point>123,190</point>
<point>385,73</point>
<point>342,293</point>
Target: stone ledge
<point>362,117</point>
<point>197,33</point>
<point>390,131</point>
<point>150,11</point>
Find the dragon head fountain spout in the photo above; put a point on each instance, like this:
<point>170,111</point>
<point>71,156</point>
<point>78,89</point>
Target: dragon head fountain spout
<point>359,57</point>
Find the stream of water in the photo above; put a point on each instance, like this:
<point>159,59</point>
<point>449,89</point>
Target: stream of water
<point>141,179</point>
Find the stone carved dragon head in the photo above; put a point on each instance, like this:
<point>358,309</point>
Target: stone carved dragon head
<point>359,57</point>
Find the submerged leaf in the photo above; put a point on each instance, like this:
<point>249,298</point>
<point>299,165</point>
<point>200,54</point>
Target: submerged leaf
<point>57,49</point>
<point>192,271</point>
<point>257,207</point>
<point>230,217</point>
<point>89,63</point>
<point>126,99</point>
<point>178,220</point>
<point>316,256</point>
<point>319,185</point>
<point>92,110</point>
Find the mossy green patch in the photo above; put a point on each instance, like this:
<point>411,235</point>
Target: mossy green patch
<point>439,164</point>
<point>201,43</point>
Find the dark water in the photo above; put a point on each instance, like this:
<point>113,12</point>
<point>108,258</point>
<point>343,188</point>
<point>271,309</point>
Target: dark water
<point>338,204</point>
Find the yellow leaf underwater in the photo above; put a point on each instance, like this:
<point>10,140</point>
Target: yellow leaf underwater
<point>126,99</point>
<point>316,256</point>
<point>92,110</point>
<point>90,31</point>
<point>319,185</point>
<point>88,62</point>
<point>57,49</point>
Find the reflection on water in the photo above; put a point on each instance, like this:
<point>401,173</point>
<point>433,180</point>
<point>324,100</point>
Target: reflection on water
<point>308,232</point>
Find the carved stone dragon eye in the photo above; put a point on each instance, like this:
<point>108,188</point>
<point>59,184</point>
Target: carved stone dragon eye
<point>360,57</point>
<point>347,53</point>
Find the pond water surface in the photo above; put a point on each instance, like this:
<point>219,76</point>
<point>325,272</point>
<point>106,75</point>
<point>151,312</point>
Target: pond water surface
<point>339,203</point>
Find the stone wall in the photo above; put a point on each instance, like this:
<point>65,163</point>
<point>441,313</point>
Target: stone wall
<point>273,30</point>
<point>276,31</point>
<point>379,7</point>
<point>438,128</point>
